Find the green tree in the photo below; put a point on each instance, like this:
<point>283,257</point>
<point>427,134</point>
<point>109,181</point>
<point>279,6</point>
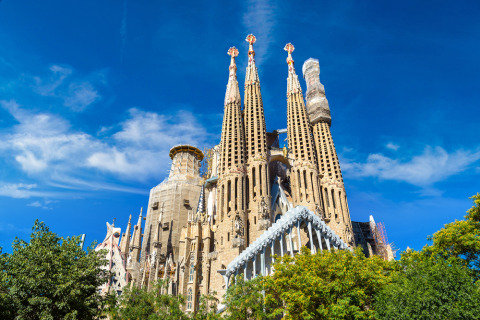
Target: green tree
<point>245,300</point>
<point>428,288</point>
<point>207,309</point>
<point>327,285</point>
<point>51,277</point>
<point>140,304</point>
<point>460,239</point>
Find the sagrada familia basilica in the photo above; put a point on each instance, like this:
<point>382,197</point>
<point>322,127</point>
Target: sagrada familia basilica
<point>256,200</point>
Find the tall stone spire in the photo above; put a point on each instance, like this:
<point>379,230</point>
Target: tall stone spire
<point>252,73</point>
<point>304,174</point>
<point>232,160</point>
<point>333,195</point>
<point>137,239</point>
<point>233,93</point>
<point>258,182</point>
<point>125,243</point>
<point>230,223</point>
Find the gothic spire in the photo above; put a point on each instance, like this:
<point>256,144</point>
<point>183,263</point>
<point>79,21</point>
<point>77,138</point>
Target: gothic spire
<point>201,205</point>
<point>304,174</point>
<point>232,141</point>
<point>233,93</point>
<point>251,75</point>
<point>293,85</point>
<point>125,243</point>
<point>137,238</point>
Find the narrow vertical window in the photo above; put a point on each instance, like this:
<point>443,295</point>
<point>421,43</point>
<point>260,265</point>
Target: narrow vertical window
<point>229,195</point>
<point>260,179</point>
<point>190,275</point>
<point>333,199</point>
<point>254,184</point>
<point>189,298</point>
<point>236,194</point>
<point>247,196</point>
<point>326,197</point>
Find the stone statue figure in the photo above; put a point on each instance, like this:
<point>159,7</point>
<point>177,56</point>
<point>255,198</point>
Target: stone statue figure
<point>238,224</point>
<point>153,258</point>
<point>263,209</point>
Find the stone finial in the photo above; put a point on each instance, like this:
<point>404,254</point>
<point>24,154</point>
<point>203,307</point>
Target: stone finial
<point>233,93</point>
<point>232,52</point>
<point>251,40</point>
<point>289,48</point>
<point>251,76</point>
<point>293,85</point>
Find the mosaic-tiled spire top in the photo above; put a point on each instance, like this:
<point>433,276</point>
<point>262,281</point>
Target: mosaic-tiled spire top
<point>293,85</point>
<point>251,75</point>
<point>233,92</point>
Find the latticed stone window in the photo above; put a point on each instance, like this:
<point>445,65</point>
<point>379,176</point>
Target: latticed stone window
<point>192,269</point>
<point>189,298</point>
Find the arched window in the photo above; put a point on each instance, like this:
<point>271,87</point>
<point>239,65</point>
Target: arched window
<point>190,276</point>
<point>189,298</point>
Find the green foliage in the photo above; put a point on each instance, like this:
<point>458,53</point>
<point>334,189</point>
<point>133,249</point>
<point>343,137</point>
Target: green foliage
<point>460,239</point>
<point>430,288</point>
<point>327,285</point>
<point>245,299</point>
<point>50,277</point>
<point>137,303</point>
<point>207,309</point>
<point>140,304</point>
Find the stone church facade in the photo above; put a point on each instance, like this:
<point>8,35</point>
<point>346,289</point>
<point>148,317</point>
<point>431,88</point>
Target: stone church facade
<point>257,198</point>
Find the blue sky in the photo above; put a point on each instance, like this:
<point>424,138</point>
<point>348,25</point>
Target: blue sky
<point>93,94</point>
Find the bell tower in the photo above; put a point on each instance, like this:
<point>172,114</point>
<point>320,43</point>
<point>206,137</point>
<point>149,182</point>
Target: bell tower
<point>304,174</point>
<point>231,218</point>
<point>257,181</point>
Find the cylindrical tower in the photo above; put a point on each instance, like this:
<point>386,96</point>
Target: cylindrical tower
<point>185,161</point>
<point>171,202</point>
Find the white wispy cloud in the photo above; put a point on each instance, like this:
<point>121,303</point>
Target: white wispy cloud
<point>77,93</point>
<point>17,190</point>
<point>392,146</point>
<point>434,164</point>
<point>48,85</point>
<point>43,204</point>
<point>48,149</point>
<point>146,138</point>
<point>260,19</point>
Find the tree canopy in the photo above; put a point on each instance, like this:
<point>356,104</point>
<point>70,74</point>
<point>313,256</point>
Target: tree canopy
<point>140,303</point>
<point>429,288</point>
<point>460,239</point>
<point>50,277</point>
<point>327,285</point>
